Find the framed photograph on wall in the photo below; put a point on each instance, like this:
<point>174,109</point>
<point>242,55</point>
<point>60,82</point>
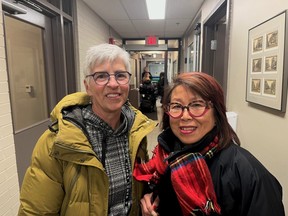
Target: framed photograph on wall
<point>267,68</point>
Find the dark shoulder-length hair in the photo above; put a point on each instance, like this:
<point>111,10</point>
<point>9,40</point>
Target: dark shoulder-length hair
<point>209,89</point>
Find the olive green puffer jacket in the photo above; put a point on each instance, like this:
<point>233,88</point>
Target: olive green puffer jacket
<point>66,178</point>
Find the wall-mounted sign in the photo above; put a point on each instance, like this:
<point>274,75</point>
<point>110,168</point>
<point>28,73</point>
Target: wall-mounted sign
<point>111,40</point>
<point>151,41</point>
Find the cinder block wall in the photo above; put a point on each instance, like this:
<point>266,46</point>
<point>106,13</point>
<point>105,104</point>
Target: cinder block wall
<point>9,186</point>
<point>91,30</point>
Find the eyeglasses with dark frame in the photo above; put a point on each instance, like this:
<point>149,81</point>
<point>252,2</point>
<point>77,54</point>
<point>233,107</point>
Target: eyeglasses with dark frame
<point>195,109</point>
<point>103,77</point>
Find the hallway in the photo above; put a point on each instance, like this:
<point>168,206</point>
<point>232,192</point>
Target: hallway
<point>152,137</point>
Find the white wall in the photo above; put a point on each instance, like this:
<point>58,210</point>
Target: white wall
<point>260,131</point>
<point>91,30</point>
<point>9,186</point>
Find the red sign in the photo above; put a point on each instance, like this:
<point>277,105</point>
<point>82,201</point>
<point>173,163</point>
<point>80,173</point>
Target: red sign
<point>111,40</point>
<point>151,41</point>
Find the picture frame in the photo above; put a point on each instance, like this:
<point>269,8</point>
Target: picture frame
<point>267,69</point>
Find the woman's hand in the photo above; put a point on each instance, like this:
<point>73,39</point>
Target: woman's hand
<point>148,205</point>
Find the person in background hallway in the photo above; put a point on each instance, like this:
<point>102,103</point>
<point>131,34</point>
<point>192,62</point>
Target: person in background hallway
<point>160,86</point>
<point>198,166</point>
<point>82,165</point>
<point>146,76</point>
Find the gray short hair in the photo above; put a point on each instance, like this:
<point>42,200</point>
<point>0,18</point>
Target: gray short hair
<point>96,55</point>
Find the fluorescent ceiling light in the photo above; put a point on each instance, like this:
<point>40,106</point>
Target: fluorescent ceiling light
<point>156,9</point>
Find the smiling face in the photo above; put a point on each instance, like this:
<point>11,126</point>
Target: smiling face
<point>188,129</point>
<point>107,99</point>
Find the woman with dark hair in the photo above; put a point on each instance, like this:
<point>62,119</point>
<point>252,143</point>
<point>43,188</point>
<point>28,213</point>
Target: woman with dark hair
<point>198,166</point>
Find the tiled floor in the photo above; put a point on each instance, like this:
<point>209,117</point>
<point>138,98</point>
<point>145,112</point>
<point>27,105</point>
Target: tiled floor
<point>152,137</point>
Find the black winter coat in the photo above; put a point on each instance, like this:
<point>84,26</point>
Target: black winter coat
<point>243,186</point>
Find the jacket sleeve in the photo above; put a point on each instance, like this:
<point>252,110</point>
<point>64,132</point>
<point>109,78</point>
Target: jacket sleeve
<point>262,195</point>
<point>42,191</point>
<point>266,197</point>
<point>244,187</point>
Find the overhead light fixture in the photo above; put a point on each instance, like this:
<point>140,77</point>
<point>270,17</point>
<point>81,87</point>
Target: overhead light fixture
<point>156,9</point>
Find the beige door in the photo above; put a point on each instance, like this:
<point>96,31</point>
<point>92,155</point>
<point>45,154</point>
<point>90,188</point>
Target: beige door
<point>24,43</point>
<point>28,81</point>
<point>216,44</point>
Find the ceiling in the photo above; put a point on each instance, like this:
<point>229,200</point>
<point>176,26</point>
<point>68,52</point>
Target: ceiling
<point>129,18</point>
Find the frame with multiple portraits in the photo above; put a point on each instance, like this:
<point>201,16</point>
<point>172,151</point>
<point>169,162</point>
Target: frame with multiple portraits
<point>267,69</point>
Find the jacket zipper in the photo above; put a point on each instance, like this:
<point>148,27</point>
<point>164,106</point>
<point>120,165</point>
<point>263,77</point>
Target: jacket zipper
<point>67,197</point>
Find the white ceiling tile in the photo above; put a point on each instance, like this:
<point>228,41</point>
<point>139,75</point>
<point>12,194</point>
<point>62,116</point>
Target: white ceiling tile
<point>136,9</point>
<point>177,24</point>
<point>121,24</point>
<point>182,8</point>
<point>108,9</point>
<point>147,25</point>
<point>129,18</point>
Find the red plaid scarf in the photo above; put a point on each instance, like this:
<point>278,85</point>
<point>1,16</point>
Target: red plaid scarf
<point>190,177</point>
